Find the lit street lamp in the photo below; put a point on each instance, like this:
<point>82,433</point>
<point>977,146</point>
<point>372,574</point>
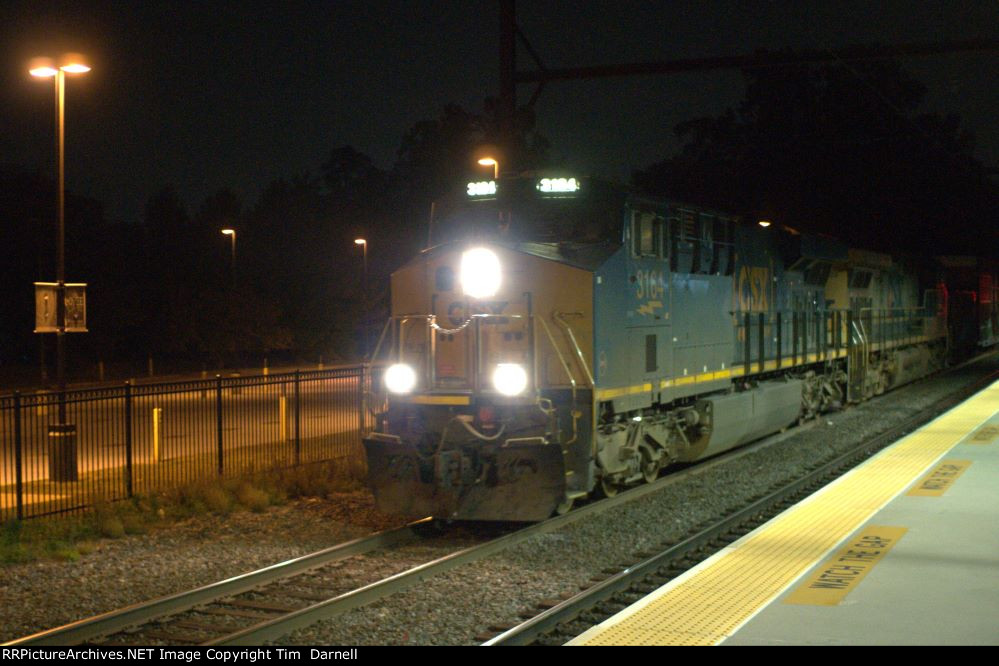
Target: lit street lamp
<point>62,462</point>
<point>231,233</point>
<point>491,161</point>
<point>364,291</point>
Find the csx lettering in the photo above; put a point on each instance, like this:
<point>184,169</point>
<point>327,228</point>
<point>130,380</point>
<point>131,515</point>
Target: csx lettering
<point>754,288</point>
<point>456,311</point>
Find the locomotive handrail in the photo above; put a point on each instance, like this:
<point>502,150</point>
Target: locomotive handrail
<point>381,339</point>
<point>558,316</point>
<point>574,413</point>
<point>561,359</point>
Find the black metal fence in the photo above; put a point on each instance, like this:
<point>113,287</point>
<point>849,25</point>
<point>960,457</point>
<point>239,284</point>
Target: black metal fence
<point>132,439</point>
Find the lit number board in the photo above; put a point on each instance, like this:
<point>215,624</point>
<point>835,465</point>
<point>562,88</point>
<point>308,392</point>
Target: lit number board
<point>485,188</point>
<point>558,185</point>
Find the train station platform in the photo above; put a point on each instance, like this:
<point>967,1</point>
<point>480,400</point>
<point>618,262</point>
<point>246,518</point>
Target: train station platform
<point>903,550</point>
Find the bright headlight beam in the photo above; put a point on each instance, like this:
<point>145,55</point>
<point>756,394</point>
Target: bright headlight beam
<point>480,273</point>
<point>400,378</point>
<point>510,379</point>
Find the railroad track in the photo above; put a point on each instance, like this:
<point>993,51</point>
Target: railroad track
<point>557,622</point>
<point>274,601</point>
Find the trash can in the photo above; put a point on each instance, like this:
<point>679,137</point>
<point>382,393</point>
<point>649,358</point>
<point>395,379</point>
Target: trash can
<point>62,452</point>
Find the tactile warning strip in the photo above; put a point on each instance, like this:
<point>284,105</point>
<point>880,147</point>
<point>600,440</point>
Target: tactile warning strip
<point>706,605</point>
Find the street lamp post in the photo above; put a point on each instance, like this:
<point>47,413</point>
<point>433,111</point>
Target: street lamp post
<point>364,294</point>
<point>62,455</point>
<point>231,233</point>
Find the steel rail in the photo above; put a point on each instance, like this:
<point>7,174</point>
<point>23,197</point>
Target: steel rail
<point>547,621</point>
<point>114,621</point>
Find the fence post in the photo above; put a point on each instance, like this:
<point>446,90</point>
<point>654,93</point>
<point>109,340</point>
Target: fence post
<point>360,402</point>
<point>128,439</point>
<point>298,419</point>
<point>218,421</point>
<point>18,455</point>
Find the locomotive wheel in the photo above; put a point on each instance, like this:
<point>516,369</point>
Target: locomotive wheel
<point>564,506</point>
<point>608,487</point>
<point>650,468</point>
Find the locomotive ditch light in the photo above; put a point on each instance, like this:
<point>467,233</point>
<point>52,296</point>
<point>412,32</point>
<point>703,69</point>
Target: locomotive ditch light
<point>480,274</point>
<point>510,379</point>
<point>400,378</point>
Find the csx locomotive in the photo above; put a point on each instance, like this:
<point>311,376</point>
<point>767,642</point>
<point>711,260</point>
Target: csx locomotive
<point>579,339</point>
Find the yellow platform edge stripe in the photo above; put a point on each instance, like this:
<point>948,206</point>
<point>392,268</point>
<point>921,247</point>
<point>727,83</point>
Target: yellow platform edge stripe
<point>712,601</point>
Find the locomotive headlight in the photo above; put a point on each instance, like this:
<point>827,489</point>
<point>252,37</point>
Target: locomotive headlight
<point>480,273</point>
<point>510,379</point>
<point>400,378</point>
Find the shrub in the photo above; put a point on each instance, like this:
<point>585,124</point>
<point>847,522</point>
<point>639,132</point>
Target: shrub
<point>254,499</point>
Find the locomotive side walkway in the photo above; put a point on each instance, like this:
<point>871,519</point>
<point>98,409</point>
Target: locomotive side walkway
<point>902,550</point>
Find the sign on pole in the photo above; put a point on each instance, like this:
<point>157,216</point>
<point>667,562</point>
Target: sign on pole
<point>46,294</point>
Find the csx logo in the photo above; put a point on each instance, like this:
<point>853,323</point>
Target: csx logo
<point>753,288</point>
<point>457,314</point>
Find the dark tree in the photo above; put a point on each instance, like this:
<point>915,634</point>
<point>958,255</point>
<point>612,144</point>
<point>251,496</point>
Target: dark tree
<point>841,149</point>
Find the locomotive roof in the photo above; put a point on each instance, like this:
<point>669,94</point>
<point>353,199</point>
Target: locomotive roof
<point>588,256</point>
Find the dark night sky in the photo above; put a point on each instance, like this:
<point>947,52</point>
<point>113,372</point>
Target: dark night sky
<point>205,95</point>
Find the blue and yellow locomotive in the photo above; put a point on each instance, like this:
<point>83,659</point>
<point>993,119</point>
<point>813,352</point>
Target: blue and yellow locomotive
<point>579,339</point>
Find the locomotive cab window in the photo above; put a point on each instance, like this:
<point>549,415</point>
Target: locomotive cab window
<point>646,235</point>
<point>859,279</point>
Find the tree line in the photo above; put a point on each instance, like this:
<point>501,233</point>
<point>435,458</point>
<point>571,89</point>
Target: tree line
<point>836,149</point>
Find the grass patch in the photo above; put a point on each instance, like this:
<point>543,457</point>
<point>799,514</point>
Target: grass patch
<point>68,538</point>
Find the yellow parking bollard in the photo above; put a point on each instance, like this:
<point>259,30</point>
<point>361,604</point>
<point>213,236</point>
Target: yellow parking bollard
<point>157,433</point>
<point>283,418</point>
